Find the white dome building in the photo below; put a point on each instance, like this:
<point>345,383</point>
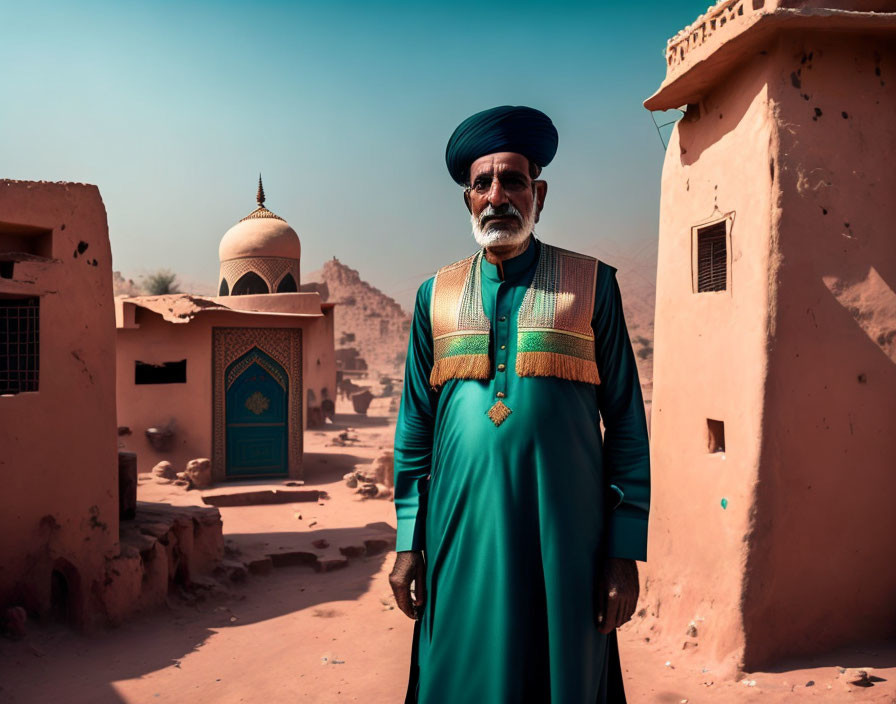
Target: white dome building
<point>259,255</point>
<point>236,377</point>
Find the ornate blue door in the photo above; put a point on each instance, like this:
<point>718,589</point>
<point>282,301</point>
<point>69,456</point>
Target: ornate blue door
<point>256,416</point>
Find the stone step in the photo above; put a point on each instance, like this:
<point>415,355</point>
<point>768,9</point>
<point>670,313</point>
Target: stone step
<point>261,497</point>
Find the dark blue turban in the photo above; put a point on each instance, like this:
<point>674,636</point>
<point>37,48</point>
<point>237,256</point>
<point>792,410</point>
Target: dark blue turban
<point>506,128</point>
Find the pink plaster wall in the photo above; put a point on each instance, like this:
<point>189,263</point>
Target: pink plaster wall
<point>190,404</point>
<point>821,569</point>
<point>798,359</point>
<point>709,362</point>
<point>59,461</point>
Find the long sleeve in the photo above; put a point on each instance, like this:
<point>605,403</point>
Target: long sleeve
<point>414,430</point>
<point>626,449</point>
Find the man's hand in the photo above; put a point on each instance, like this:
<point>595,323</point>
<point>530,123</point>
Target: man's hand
<point>411,569</point>
<point>617,594</point>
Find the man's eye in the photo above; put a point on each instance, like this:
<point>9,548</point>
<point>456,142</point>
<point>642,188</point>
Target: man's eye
<point>481,186</point>
<point>514,183</point>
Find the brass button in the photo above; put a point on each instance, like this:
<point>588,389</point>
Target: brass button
<point>500,394</point>
<point>503,347</point>
<point>502,367</point>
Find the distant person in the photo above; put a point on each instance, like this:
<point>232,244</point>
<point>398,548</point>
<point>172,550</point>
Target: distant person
<point>518,526</point>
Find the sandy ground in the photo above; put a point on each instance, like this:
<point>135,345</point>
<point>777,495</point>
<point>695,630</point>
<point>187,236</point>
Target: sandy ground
<point>299,635</point>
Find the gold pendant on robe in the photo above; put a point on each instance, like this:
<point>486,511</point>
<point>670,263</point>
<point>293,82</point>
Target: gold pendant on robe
<point>498,413</point>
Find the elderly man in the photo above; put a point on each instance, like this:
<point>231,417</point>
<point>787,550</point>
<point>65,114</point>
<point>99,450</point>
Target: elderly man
<point>518,524</point>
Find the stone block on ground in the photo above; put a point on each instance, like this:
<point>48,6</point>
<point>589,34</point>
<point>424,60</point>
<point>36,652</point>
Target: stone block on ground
<point>353,551</point>
<point>383,492</point>
<point>261,497</point>
<point>199,472</point>
<point>233,570</point>
<point>859,677</point>
<point>293,558</point>
<point>368,490</point>
<point>164,470</point>
<point>384,469</point>
<point>155,529</point>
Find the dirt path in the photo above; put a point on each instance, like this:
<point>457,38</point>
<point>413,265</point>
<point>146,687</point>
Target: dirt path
<point>298,635</point>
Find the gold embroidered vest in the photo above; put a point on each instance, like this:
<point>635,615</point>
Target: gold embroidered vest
<point>554,336</point>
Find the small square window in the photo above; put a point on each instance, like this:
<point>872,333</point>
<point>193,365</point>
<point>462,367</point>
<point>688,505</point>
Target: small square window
<point>715,435</point>
<point>712,257</point>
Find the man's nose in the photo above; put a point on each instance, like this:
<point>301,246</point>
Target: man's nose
<point>496,194</point>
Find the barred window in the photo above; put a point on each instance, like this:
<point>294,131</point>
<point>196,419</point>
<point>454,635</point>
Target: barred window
<point>712,258</point>
<point>19,344</point>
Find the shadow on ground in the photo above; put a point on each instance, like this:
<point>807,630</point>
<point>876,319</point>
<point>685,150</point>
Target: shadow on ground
<point>341,421</point>
<point>52,659</point>
<point>879,655</point>
<point>329,467</point>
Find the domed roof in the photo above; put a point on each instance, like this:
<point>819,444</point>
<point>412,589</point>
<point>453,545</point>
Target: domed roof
<point>260,234</point>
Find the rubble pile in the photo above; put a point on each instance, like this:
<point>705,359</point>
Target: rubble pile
<point>374,481</point>
<point>197,475</point>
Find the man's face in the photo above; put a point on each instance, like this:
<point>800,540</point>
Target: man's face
<point>503,199</point>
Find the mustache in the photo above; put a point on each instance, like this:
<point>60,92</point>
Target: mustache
<point>491,212</point>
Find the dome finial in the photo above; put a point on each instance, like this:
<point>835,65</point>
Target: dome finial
<point>260,195</point>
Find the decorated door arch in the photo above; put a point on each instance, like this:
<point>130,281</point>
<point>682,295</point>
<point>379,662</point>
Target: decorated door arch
<point>255,409</point>
<point>257,403</point>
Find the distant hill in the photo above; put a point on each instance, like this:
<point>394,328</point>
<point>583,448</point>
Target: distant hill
<point>125,287</point>
<point>366,319</point>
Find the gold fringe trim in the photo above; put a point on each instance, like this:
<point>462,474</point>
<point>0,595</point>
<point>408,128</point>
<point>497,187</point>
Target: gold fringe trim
<point>559,365</point>
<point>461,366</point>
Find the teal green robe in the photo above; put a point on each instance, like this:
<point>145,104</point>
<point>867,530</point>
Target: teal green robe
<point>516,520</point>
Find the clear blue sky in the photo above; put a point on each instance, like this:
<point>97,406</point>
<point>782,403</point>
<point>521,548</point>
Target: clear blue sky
<point>172,109</point>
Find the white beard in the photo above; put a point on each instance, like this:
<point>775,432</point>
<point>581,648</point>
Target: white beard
<point>494,234</point>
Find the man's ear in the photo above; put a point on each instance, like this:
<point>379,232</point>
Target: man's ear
<point>467,200</point>
<point>541,192</point>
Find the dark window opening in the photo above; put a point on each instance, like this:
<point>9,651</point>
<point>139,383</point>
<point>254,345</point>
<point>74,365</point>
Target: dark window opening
<point>165,373</point>
<point>712,258</point>
<point>287,285</point>
<point>715,435</point>
<point>26,240</point>
<point>6,269</point>
<point>19,345</point>
<point>248,284</point>
<point>224,290</point>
